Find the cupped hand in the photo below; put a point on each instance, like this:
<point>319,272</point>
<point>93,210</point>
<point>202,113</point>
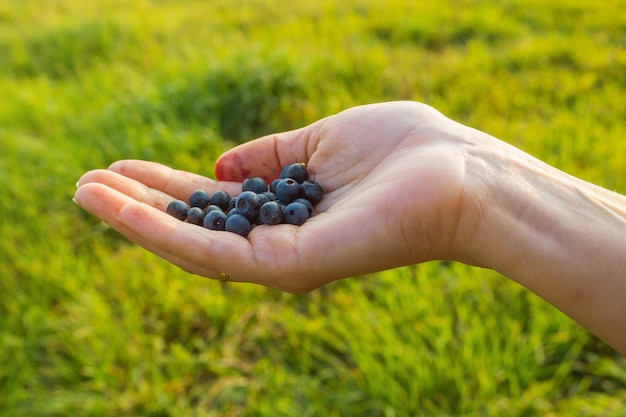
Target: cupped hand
<point>394,181</point>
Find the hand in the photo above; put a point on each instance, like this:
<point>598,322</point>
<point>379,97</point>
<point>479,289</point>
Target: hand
<point>393,175</point>
<point>404,185</point>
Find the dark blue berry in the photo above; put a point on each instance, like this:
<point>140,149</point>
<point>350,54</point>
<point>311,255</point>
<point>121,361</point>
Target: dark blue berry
<point>178,209</point>
<point>273,185</point>
<point>215,220</point>
<point>307,204</point>
<point>263,198</point>
<point>296,213</point>
<point>288,190</point>
<point>239,224</point>
<point>283,172</point>
<point>211,208</point>
<point>255,184</point>
<point>271,213</point>
<point>195,215</point>
<point>199,198</point>
<point>232,204</point>
<point>270,196</point>
<point>296,171</point>
<point>312,191</point>
<point>221,199</point>
<point>248,204</point>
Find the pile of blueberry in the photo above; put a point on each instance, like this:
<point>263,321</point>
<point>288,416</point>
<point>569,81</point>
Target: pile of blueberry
<point>288,199</point>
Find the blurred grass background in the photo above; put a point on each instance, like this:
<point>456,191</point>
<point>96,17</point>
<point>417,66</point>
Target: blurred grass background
<point>93,326</point>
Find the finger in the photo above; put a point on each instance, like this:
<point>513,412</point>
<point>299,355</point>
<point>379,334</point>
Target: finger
<point>195,249</point>
<point>102,201</point>
<point>183,244</point>
<point>106,203</point>
<point>177,183</point>
<point>265,157</point>
<point>128,186</point>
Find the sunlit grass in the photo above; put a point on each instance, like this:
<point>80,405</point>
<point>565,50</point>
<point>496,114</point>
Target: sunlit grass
<point>91,325</point>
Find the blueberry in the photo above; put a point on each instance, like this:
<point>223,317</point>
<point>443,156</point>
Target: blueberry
<point>248,204</point>
<point>271,213</point>
<point>215,220</point>
<point>239,224</point>
<point>221,199</point>
<point>288,190</point>
<point>283,172</point>
<point>195,215</point>
<point>296,171</point>
<point>178,209</point>
<point>271,196</point>
<point>232,204</point>
<point>273,185</point>
<point>255,184</point>
<point>199,198</point>
<point>211,208</point>
<point>312,191</point>
<point>296,213</point>
<point>263,198</point>
<point>307,204</point>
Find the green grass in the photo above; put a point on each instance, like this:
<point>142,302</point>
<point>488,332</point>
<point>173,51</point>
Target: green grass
<point>92,325</point>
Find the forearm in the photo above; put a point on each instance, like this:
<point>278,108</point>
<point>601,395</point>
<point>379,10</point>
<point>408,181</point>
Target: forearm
<point>560,237</point>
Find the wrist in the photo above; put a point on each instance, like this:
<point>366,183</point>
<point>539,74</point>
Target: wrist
<point>557,235</point>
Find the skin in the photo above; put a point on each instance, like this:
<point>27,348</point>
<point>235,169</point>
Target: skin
<point>403,185</point>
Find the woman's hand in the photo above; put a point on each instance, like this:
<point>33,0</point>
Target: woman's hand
<point>404,185</point>
<point>394,181</point>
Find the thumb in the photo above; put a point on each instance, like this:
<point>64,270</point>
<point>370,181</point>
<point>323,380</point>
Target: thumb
<point>264,157</point>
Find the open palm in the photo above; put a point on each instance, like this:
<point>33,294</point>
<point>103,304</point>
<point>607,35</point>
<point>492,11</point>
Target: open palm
<point>393,178</point>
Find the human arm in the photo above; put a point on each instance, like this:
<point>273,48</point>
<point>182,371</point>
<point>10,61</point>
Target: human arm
<point>555,234</point>
<point>404,185</point>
